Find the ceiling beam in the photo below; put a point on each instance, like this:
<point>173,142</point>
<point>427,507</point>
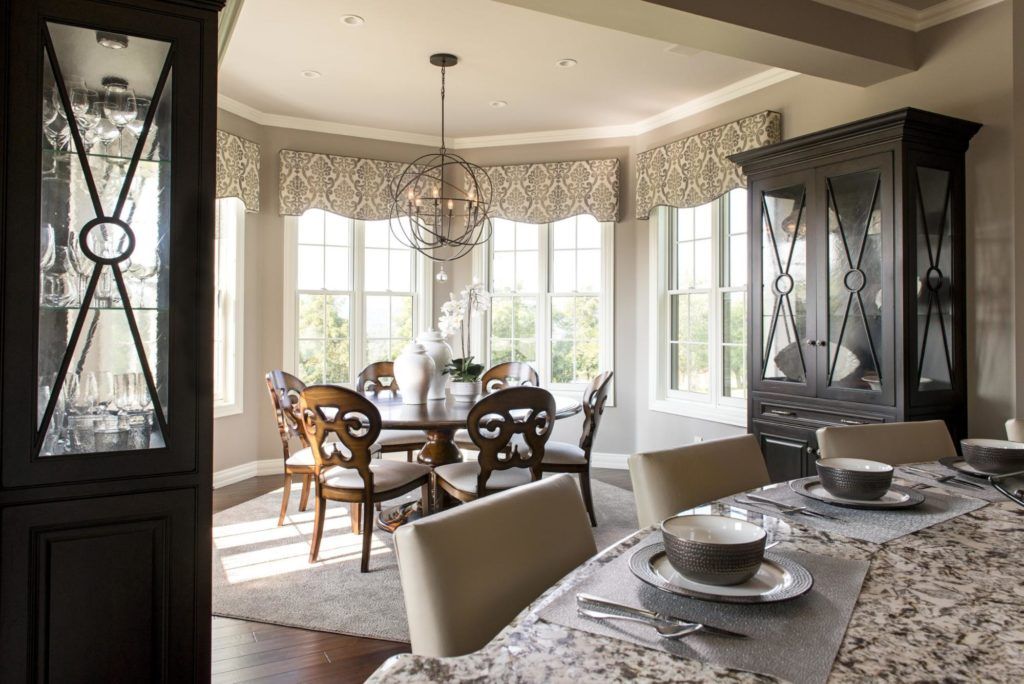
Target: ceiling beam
<point>797,35</point>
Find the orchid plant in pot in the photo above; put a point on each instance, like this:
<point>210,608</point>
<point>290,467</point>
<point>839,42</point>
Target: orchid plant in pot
<point>456,319</point>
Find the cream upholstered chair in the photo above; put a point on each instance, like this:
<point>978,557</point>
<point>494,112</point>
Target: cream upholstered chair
<point>892,443</point>
<point>1015,430</point>
<point>467,572</point>
<point>371,380</point>
<point>666,482</point>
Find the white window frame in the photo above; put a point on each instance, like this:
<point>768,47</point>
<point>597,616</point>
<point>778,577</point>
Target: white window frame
<point>482,260</point>
<point>423,298</point>
<point>714,406</point>
<point>234,323</point>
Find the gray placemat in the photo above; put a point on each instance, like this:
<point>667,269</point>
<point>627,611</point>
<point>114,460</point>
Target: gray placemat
<point>989,493</point>
<point>877,526</point>
<point>795,640</point>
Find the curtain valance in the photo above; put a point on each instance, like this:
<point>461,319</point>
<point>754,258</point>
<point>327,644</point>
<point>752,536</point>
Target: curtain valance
<point>348,186</point>
<point>542,193</point>
<point>238,169</point>
<point>695,170</point>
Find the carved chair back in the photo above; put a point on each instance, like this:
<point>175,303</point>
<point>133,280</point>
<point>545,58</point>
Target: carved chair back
<point>370,380</point>
<point>284,391</point>
<point>349,416</point>
<point>509,374</point>
<point>510,428</point>
<point>594,399</point>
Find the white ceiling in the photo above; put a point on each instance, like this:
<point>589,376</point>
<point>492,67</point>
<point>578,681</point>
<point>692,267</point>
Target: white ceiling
<point>378,75</point>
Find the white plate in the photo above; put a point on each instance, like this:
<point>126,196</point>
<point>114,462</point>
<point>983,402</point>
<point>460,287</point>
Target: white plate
<point>896,497</point>
<point>778,579</point>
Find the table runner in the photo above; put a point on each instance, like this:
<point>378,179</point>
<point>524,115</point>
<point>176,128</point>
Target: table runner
<point>877,526</point>
<point>795,640</point>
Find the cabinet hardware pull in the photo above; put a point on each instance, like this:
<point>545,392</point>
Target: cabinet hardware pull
<point>822,343</point>
<point>776,412</point>
<point>810,343</point>
<point>847,421</point>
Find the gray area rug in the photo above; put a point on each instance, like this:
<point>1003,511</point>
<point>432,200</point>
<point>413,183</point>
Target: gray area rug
<point>261,571</point>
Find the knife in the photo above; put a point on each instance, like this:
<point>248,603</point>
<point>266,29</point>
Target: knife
<point>651,615</point>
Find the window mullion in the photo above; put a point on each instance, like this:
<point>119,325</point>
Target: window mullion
<point>357,303</point>
<point>542,327</point>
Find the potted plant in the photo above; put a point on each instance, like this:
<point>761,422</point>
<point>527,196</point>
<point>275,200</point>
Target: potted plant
<point>456,318</point>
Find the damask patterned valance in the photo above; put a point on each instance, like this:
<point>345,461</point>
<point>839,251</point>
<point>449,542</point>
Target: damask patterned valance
<point>238,169</point>
<point>542,193</point>
<point>348,186</point>
<point>696,170</point>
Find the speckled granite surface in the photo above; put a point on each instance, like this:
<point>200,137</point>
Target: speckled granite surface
<point>943,604</point>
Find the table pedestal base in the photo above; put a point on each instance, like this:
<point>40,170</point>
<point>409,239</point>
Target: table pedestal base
<point>439,450</point>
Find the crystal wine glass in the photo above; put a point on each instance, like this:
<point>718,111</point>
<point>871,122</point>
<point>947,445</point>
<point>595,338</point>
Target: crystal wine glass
<point>120,107</point>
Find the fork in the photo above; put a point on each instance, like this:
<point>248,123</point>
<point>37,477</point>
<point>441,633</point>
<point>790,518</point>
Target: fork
<point>667,630</point>
<point>954,480</point>
<point>785,508</point>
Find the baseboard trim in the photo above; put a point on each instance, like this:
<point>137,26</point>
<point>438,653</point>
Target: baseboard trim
<point>600,459</point>
<point>223,478</point>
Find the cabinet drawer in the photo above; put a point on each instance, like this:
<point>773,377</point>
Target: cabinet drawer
<point>817,417</point>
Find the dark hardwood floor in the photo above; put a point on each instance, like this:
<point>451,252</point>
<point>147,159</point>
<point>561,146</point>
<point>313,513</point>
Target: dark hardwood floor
<point>258,652</point>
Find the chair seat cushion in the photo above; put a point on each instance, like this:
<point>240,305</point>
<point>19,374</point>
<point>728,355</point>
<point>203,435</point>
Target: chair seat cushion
<point>401,437</point>
<point>462,437</point>
<point>462,476</point>
<point>563,453</point>
<point>302,457</point>
<point>386,475</point>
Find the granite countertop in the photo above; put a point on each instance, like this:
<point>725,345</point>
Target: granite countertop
<point>945,603</point>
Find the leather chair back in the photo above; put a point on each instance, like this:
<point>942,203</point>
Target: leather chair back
<point>467,572</point>
<point>892,443</point>
<point>673,480</point>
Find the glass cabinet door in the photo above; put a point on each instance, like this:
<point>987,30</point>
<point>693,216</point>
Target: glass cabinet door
<point>783,326</point>
<point>856,325</point>
<point>103,326</point>
<point>933,370</point>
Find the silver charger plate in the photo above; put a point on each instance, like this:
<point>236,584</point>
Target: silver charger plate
<point>896,497</point>
<point>958,464</point>
<point>779,579</point>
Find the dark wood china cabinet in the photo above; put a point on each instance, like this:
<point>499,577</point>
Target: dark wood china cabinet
<point>857,237</point>
<point>107,145</point>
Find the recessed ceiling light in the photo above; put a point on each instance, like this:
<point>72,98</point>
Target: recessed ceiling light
<point>353,20</point>
<point>309,73</point>
<point>566,63</point>
<point>498,104</point>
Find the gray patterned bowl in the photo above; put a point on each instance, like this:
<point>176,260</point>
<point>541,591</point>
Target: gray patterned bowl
<point>713,549</point>
<point>993,456</point>
<point>855,478</point>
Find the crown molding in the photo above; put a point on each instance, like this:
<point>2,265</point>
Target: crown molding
<point>904,17</point>
<point>715,98</point>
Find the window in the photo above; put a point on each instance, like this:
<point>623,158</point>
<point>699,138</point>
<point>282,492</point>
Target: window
<point>699,269</point>
<point>551,301</point>
<point>229,282</point>
<point>357,296</point>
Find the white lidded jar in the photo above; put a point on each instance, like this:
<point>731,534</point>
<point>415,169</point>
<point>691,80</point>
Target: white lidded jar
<point>414,370</point>
<point>441,353</point>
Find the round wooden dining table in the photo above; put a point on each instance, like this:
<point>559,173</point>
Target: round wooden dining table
<point>439,419</point>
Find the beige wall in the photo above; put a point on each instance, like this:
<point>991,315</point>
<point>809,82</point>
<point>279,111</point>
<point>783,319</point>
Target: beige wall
<point>966,72</point>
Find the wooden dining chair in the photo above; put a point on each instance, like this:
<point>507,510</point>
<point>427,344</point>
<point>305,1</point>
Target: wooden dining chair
<point>284,391</point>
<point>509,374</point>
<point>892,443</point>
<point>346,469</point>
<point>379,378</point>
<point>563,457</point>
<point>467,572</point>
<point>509,428</point>
<point>673,480</point>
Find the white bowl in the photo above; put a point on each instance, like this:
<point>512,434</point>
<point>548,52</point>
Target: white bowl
<point>713,529</point>
<point>857,464</point>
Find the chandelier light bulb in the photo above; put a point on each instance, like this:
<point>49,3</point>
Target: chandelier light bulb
<point>442,276</point>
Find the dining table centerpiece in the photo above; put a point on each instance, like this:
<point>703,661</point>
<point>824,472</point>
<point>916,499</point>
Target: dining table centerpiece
<point>456,319</point>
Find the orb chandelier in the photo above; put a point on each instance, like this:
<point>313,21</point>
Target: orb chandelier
<point>440,201</point>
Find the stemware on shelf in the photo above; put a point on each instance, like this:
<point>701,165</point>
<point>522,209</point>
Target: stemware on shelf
<point>120,106</point>
<point>60,282</point>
